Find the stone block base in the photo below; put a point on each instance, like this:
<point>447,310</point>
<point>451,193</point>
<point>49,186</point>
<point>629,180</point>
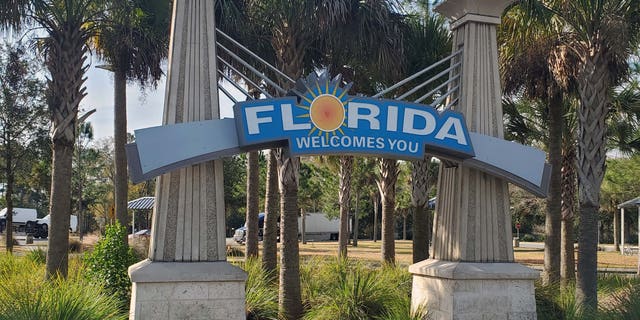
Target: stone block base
<point>478,291</point>
<point>187,290</point>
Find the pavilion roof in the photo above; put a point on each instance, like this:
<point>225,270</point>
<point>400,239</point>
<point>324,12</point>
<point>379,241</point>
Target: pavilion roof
<point>144,203</point>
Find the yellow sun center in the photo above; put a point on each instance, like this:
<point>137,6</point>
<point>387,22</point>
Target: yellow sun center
<point>327,112</point>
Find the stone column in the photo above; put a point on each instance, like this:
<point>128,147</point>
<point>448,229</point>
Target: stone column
<point>471,274</point>
<point>187,275</point>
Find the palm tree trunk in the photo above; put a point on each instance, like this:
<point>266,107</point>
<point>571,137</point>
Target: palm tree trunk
<point>387,187</point>
<point>376,210</point>
<point>64,61</point>
<point>289,298</point>
<point>356,222</point>
<point>271,207</point>
<point>420,200</point>
<point>119,141</point>
<point>346,167</point>
<point>9,197</point>
<point>253,183</point>
<point>57,255</point>
<point>404,226</point>
<point>594,93</point>
<point>567,260</point>
<point>616,231</point>
<point>553,217</point>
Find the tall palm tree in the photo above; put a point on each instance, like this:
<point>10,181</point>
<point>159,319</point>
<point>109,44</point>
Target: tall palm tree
<point>427,41</point>
<point>68,27</point>
<point>326,24</point>
<point>569,190</point>
<point>422,179</point>
<point>133,40</point>
<point>344,195</point>
<point>534,61</point>
<point>270,233</point>
<point>601,34</point>
<point>387,185</point>
<point>253,199</point>
<point>605,33</point>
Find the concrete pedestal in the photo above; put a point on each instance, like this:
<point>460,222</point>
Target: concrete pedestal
<point>466,291</point>
<point>187,290</point>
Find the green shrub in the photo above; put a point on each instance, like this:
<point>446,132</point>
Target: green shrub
<point>37,256</point>
<point>107,264</point>
<point>24,295</point>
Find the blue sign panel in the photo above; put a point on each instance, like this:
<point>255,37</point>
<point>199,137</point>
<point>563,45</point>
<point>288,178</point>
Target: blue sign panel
<point>325,123</point>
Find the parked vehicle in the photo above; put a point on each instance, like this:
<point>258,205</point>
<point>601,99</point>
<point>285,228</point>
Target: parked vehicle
<point>319,228</point>
<point>21,216</point>
<point>240,235</point>
<point>43,226</point>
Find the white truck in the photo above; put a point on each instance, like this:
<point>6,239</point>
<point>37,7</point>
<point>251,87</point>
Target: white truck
<point>318,227</point>
<point>42,230</point>
<point>26,220</point>
<point>20,218</point>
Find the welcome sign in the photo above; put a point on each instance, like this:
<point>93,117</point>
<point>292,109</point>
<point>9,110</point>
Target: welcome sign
<point>325,120</point>
<point>320,117</point>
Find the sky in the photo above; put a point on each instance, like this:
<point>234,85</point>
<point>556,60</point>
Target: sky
<point>144,109</point>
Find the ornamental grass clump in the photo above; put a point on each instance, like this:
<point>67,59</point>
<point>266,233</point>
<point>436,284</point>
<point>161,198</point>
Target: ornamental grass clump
<point>343,289</point>
<point>617,300</point>
<point>25,295</point>
<point>261,291</point>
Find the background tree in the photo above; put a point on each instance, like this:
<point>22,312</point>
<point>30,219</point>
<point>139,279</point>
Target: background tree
<point>22,113</point>
<point>133,40</point>
<point>80,175</point>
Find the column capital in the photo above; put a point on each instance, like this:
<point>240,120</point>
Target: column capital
<point>480,9</point>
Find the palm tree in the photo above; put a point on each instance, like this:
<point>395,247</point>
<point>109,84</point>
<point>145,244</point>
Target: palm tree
<point>133,40</point>
<point>68,27</point>
<point>328,26</point>
<point>422,179</point>
<point>270,233</point>
<point>604,35</point>
<point>428,40</point>
<point>387,185</point>
<point>253,186</point>
<point>535,62</point>
<point>569,188</point>
<point>344,195</point>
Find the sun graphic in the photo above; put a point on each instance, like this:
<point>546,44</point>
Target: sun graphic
<point>325,101</point>
<point>327,113</point>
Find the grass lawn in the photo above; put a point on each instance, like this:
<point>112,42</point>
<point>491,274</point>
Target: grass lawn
<point>370,251</point>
